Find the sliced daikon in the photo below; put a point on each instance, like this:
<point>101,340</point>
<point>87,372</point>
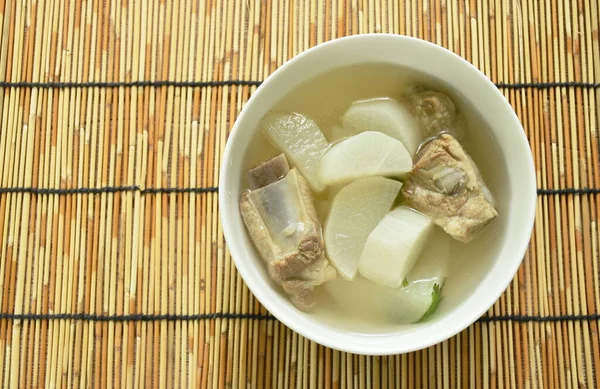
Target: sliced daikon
<point>420,299</point>
<point>370,153</point>
<point>394,246</point>
<point>339,133</point>
<point>434,262</point>
<point>301,140</point>
<point>396,305</point>
<point>425,281</point>
<point>387,116</point>
<point>356,210</point>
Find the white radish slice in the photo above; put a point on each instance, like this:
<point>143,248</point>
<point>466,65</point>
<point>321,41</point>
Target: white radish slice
<point>301,140</point>
<point>356,210</point>
<point>393,247</point>
<point>418,300</point>
<point>339,133</point>
<point>396,305</point>
<point>427,277</point>
<point>367,154</point>
<point>387,116</point>
<point>434,262</point>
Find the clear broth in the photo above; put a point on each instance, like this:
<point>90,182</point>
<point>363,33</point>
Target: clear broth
<point>324,99</point>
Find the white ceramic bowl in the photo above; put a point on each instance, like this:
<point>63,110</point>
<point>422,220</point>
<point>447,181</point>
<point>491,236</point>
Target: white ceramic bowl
<point>506,130</point>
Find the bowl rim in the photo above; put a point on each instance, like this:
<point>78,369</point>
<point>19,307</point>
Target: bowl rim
<point>459,323</point>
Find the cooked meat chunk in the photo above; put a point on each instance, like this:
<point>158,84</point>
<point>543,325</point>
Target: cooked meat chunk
<point>301,289</point>
<point>283,225</point>
<point>445,185</point>
<point>268,172</point>
<point>434,111</point>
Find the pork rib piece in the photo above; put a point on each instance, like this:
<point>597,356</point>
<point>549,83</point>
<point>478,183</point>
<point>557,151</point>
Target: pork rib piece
<point>445,185</point>
<point>434,110</point>
<point>282,223</point>
<point>268,172</point>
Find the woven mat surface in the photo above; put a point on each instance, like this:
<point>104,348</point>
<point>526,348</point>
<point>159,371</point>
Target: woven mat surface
<point>114,271</point>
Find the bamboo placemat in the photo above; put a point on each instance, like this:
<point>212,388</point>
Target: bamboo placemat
<point>114,271</point>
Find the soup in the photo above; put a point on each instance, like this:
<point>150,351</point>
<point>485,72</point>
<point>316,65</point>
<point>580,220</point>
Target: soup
<point>356,287</point>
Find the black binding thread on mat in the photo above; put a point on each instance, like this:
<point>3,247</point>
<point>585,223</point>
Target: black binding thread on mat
<point>538,319</point>
<point>568,191</point>
<point>108,189</point>
<point>548,85</point>
<point>127,84</point>
<point>254,316</point>
<point>214,189</point>
<point>132,317</point>
<point>204,84</point>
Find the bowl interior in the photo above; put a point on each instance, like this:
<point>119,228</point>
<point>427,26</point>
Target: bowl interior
<point>369,66</point>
